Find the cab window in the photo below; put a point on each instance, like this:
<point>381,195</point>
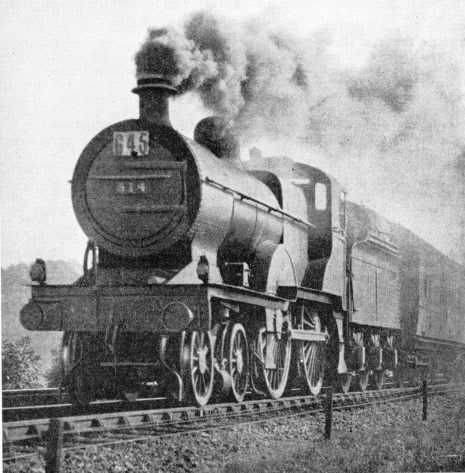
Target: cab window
<point>321,197</point>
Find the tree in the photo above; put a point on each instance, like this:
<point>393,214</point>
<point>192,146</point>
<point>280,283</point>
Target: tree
<point>16,293</point>
<point>20,365</point>
<point>54,376</point>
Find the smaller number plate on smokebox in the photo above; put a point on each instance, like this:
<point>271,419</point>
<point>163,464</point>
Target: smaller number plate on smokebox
<point>132,187</point>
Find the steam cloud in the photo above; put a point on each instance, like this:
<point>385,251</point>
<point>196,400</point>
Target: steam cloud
<point>395,129</point>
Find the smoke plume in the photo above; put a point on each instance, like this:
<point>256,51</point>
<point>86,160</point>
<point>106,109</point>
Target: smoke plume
<point>393,131</point>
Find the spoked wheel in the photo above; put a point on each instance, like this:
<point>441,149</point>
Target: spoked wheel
<point>362,381</point>
<point>312,354</point>
<point>199,372</point>
<point>343,382</point>
<point>77,368</point>
<point>275,378</point>
<point>238,361</point>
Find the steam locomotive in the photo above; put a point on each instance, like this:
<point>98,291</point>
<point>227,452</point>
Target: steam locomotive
<point>208,276</point>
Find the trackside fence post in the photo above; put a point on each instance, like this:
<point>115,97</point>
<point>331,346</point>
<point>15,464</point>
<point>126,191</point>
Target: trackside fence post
<point>329,413</point>
<point>55,443</point>
<point>424,392</point>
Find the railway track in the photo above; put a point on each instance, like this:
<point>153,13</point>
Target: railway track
<point>25,438</point>
<point>29,404</point>
<point>63,408</point>
<point>14,398</point>
<point>23,406</point>
<point>36,398</point>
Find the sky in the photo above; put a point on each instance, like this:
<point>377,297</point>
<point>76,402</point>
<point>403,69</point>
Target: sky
<point>67,70</point>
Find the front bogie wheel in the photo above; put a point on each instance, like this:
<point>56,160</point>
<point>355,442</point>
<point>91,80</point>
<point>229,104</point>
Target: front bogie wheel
<point>198,370</point>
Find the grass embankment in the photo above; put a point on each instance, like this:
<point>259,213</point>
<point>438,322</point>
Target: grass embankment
<point>389,438</point>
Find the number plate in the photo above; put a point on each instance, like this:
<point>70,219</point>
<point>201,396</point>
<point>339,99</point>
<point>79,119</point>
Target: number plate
<point>132,187</point>
<point>131,143</point>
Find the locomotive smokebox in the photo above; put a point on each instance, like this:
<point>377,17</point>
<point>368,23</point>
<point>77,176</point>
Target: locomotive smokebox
<point>154,91</point>
<point>131,193</point>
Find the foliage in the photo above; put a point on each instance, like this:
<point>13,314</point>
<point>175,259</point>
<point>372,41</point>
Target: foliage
<point>20,365</point>
<point>54,375</point>
<point>16,292</point>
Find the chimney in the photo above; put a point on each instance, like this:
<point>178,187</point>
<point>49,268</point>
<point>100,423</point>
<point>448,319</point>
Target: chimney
<point>154,91</point>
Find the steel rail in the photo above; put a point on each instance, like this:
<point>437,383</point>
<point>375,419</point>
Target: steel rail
<point>229,415</point>
<point>30,397</point>
<point>34,429</point>
<point>20,392</point>
<point>64,408</point>
<point>183,417</point>
<point>191,425</point>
